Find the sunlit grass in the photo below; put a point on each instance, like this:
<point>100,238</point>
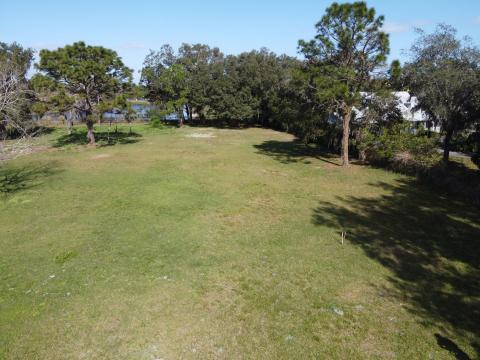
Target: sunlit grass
<point>225,246</point>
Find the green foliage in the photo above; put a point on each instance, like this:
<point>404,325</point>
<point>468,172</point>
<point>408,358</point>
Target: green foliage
<point>444,74</point>
<point>93,73</point>
<point>207,85</point>
<point>348,46</point>
<point>398,145</point>
<point>43,84</point>
<point>50,96</point>
<point>65,256</point>
<point>476,159</point>
<point>472,145</point>
<point>15,57</point>
<point>395,76</point>
<point>40,108</point>
<point>467,141</point>
<point>156,121</point>
<point>340,60</point>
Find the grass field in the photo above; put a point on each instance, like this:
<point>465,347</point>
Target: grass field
<point>164,245</point>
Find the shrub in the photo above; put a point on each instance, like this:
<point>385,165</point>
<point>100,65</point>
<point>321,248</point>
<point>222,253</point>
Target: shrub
<point>157,118</point>
<point>397,147</point>
<point>476,159</point>
<point>474,143</point>
<point>156,122</point>
<point>466,141</point>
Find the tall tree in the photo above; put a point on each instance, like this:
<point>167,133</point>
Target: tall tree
<point>15,61</point>
<point>444,75</point>
<point>348,47</point>
<point>154,64</point>
<point>198,61</point>
<point>92,73</point>
<point>165,79</point>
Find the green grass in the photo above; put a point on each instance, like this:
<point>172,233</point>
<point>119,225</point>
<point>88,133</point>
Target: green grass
<point>160,245</point>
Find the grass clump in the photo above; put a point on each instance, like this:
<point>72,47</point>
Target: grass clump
<point>65,256</point>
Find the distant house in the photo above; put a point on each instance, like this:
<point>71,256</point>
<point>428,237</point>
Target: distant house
<point>407,104</point>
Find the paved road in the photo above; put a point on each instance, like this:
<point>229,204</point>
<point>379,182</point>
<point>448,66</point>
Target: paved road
<point>455,154</point>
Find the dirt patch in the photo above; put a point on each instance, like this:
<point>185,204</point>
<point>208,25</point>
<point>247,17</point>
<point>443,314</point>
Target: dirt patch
<point>356,294</point>
<point>200,135</point>
<point>101,156</point>
<point>12,152</point>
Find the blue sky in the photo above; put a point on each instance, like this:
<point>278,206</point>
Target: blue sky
<point>133,27</point>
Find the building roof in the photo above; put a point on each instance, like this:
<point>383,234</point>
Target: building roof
<point>407,104</point>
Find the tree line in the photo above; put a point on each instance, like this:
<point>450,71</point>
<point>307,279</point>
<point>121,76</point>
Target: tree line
<point>337,94</point>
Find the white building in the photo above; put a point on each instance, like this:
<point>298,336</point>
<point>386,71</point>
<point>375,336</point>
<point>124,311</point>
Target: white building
<point>407,105</point>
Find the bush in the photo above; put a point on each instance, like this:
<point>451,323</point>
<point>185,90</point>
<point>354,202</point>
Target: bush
<point>474,146</point>
<point>156,119</point>
<point>476,159</point>
<point>156,122</point>
<point>398,148</point>
<point>466,141</point>
<point>456,179</point>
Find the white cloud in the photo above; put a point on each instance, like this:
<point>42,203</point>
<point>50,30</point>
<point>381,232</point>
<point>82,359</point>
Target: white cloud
<point>393,27</point>
<point>420,23</point>
<point>132,45</point>
<point>41,45</point>
<point>396,27</point>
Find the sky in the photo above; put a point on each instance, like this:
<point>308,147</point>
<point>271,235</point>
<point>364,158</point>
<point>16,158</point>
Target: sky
<point>133,27</point>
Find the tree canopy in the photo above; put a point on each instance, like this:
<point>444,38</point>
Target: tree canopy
<point>92,73</point>
<point>444,74</point>
<point>202,82</point>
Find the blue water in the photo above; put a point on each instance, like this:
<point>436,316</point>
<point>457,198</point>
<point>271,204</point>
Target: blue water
<point>142,111</point>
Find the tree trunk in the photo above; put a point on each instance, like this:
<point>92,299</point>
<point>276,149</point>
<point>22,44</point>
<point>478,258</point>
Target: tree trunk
<point>109,129</point>
<point>69,126</point>
<point>3,129</point>
<point>90,135</point>
<point>346,135</point>
<point>188,110</point>
<point>181,118</point>
<point>362,155</point>
<point>446,145</point>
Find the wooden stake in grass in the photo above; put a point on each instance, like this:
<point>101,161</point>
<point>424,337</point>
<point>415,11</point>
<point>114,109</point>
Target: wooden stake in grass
<point>344,235</point>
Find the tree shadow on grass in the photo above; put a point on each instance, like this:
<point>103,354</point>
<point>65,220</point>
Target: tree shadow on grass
<point>222,123</point>
<point>429,242</point>
<point>449,345</point>
<point>16,179</point>
<point>294,151</point>
<point>103,138</point>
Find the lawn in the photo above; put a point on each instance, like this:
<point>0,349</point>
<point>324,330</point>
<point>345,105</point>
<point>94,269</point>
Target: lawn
<point>204,243</point>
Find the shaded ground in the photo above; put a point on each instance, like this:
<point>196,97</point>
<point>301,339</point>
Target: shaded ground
<point>294,151</point>
<point>428,242</point>
<point>15,179</point>
<point>103,137</point>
